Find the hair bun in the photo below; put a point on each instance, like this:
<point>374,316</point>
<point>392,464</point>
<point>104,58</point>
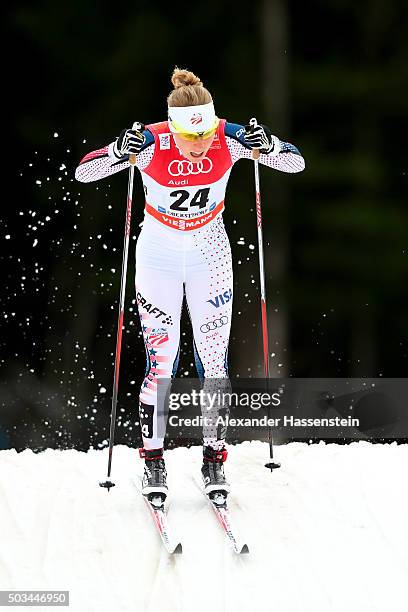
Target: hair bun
<point>182,78</point>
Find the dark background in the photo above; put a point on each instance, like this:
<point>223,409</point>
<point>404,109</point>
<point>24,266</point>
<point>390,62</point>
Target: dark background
<point>329,76</point>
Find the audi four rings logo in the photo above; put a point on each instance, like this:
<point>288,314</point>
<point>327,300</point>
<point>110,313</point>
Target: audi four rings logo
<point>183,167</point>
<point>211,325</point>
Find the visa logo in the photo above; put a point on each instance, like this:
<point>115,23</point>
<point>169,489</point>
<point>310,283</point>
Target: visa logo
<point>161,209</point>
<point>222,298</point>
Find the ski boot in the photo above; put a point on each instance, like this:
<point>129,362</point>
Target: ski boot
<point>215,485</point>
<point>154,485</point>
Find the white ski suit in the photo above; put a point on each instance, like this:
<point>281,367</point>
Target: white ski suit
<point>183,249</point>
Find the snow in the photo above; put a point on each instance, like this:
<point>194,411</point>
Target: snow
<point>326,532</point>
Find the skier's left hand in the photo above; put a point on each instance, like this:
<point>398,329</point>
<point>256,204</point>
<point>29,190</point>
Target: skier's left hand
<point>260,137</point>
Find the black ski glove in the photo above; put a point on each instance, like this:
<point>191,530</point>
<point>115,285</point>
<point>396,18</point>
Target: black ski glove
<point>260,137</point>
<point>130,141</point>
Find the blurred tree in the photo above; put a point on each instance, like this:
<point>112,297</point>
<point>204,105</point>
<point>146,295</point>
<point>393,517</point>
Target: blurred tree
<point>274,54</point>
<point>350,229</point>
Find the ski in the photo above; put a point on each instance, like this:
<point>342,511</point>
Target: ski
<point>158,513</point>
<point>156,507</point>
<point>223,515</point>
<point>218,502</point>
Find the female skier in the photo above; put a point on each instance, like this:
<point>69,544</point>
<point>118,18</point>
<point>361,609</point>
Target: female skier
<point>185,163</point>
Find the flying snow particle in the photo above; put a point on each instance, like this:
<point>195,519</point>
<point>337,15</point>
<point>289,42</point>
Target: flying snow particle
<point>102,390</point>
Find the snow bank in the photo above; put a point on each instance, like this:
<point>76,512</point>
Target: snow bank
<point>327,532</point>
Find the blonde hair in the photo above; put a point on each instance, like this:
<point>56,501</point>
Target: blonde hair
<point>188,89</point>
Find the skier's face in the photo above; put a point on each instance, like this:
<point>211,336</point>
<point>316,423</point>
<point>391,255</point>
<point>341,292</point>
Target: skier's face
<point>193,150</point>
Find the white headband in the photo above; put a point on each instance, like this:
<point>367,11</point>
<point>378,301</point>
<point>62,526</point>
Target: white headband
<point>198,118</point>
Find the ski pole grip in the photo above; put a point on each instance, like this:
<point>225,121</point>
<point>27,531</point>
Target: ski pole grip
<point>132,157</point>
<point>255,152</point>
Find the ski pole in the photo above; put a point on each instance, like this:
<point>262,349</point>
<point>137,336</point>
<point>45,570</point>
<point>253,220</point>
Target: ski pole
<point>255,155</point>
<point>132,160</point>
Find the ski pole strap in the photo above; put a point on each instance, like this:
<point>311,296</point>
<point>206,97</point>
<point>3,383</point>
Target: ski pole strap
<point>214,456</point>
<point>150,455</point>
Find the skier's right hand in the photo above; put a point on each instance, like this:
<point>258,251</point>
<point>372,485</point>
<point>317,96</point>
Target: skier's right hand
<point>129,141</point>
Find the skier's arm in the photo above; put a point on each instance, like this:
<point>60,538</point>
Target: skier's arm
<point>108,160</point>
<point>283,156</point>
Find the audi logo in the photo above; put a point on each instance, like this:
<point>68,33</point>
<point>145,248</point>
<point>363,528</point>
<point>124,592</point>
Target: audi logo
<point>211,325</point>
<point>183,167</point>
